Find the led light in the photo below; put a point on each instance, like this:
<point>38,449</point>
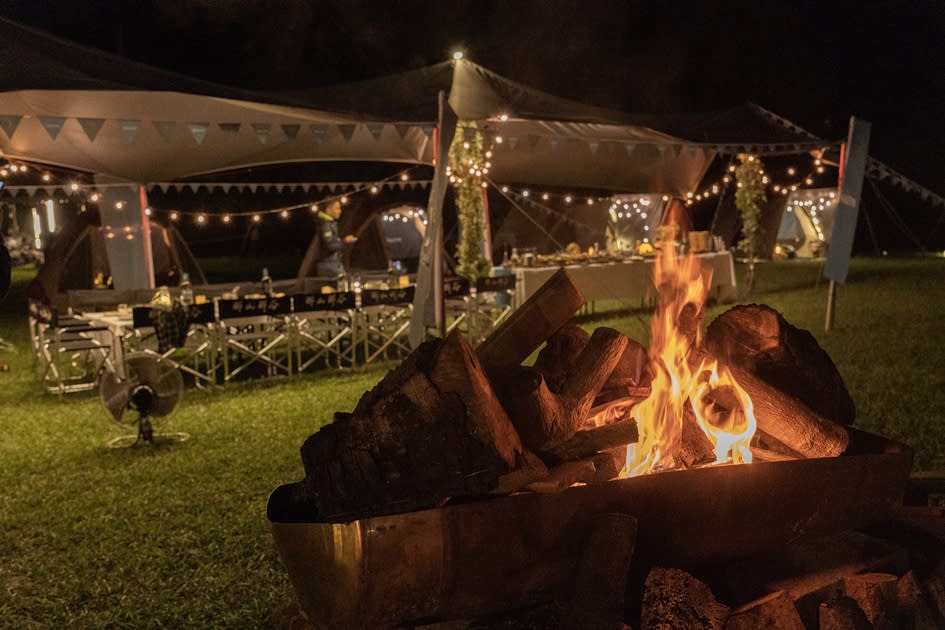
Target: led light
<point>147,212</point>
<point>201,219</point>
<point>503,118</point>
<point>46,177</point>
<point>404,177</point>
<point>458,55</point>
<point>314,207</point>
<point>791,171</point>
<point>119,205</point>
<point>284,214</point>
<point>808,181</point>
<point>226,218</point>
<point>525,193</point>
<point>344,198</point>
<point>665,197</point>
<point>257,218</point>
<point>505,189</point>
<point>74,186</point>
<point>545,196</point>
<point>568,198</point>
<point>498,139</point>
<point>374,190</point>
<point>590,201</point>
<point>174,216</point>
<point>94,197</point>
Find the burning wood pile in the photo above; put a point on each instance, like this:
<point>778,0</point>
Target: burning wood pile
<point>453,422</point>
<point>531,465</point>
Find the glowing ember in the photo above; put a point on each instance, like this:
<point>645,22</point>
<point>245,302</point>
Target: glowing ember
<point>685,387</point>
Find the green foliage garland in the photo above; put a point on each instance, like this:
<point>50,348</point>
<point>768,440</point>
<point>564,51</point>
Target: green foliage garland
<point>467,166</point>
<point>749,196</point>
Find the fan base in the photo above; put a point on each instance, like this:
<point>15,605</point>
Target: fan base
<point>126,441</point>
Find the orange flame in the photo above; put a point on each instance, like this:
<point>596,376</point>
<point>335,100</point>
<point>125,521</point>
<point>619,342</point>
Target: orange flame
<point>714,401</point>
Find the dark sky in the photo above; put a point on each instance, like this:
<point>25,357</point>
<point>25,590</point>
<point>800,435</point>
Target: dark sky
<point>816,63</point>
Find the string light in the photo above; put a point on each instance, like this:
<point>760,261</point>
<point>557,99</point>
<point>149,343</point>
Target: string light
<point>284,214</point>
<point>201,219</point>
<point>174,216</point>
<point>226,218</point>
<point>257,218</point>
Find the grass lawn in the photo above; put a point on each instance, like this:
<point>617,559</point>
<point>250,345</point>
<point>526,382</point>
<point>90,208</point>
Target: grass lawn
<point>176,536</point>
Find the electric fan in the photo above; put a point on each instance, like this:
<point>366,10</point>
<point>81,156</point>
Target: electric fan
<point>150,388</point>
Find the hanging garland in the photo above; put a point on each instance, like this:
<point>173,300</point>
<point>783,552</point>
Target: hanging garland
<point>467,166</point>
<point>749,195</point>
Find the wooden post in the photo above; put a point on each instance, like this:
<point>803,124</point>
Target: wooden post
<point>831,305</point>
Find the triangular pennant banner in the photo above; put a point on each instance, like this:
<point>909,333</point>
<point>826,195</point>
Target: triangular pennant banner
<point>593,145</point>
<point>291,131</point>
<point>199,131</point>
<point>52,124</point>
<point>262,132</point>
<point>9,123</point>
<point>165,129</point>
<point>662,149</point>
<point>192,188</point>
<point>227,188</point>
<point>376,129</point>
<point>512,140</point>
<point>164,186</point>
<point>283,187</point>
<point>31,190</point>
<point>553,143</point>
<point>129,130</point>
<point>230,130</point>
<point>629,147</point>
<point>91,127</point>
<point>253,187</point>
<point>347,131</point>
<point>677,149</point>
<point>427,130</point>
<point>402,130</point>
<point>319,132</point>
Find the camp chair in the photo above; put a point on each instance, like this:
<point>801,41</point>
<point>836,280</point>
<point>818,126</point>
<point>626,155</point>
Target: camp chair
<point>193,352</point>
<point>70,351</point>
<point>323,330</point>
<point>456,303</point>
<point>490,305</point>
<point>384,323</point>
<point>254,333</point>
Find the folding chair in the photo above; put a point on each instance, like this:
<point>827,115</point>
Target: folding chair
<point>384,323</point>
<point>323,330</point>
<point>491,304</point>
<point>456,300</point>
<point>70,351</point>
<point>195,354</point>
<point>254,336</point>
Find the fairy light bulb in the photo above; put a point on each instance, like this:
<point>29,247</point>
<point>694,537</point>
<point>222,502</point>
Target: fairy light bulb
<point>226,218</point>
<point>94,197</point>
<point>791,170</point>
<point>284,214</point>
<point>373,190</point>
<point>201,219</point>
<point>174,216</point>
<point>257,218</point>
<point>568,198</point>
<point>404,177</point>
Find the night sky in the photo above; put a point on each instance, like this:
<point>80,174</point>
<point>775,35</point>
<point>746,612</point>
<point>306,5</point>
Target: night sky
<point>816,63</point>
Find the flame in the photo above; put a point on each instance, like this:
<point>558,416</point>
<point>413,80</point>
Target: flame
<point>712,398</point>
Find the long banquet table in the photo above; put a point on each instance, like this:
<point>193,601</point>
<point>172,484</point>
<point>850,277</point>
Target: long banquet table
<point>630,280</point>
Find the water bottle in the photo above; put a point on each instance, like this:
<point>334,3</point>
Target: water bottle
<point>266,282</point>
<point>186,290</point>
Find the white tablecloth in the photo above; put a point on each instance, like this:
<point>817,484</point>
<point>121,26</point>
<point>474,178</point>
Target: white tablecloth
<point>627,281</point>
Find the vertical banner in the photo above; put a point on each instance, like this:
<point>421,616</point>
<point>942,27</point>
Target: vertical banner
<point>852,170</point>
<point>127,234</point>
<point>427,301</point>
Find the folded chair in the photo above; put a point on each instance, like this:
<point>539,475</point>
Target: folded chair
<point>323,326</point>
<point>384,323</point>
<point>253,336</point>
<point>69,351</point>
<point>190,345</point>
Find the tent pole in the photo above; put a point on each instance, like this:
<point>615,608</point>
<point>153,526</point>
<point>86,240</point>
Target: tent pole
<point>831,305</point>
<point>146,236</point>
<point>439,314</point>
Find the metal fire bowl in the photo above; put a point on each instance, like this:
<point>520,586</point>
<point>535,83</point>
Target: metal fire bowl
<point>472,559</point>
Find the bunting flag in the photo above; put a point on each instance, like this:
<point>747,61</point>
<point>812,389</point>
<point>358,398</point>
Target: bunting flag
<point>52,124</point>
<point>230,130</point>
<point>199,131</point>
<point>9,123</point>
<point>129,130</point>
<point>593,145</point>
<point>319,132</point>
<point>291,131</point>
<point>553,143</point>
<point>677,149</point>
<point>512,141</point>
<point>91,127</point>
<point>629,147</point>
<point>262,132</point>
<point>164,186</point>
<point>427,130</point>
<point>346,131</point>
<point>165,129</point>
<point>402,130</point>
<point>376,129</point>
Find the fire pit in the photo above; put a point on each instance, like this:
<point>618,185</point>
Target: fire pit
<point>487,556</point>
<point>466,484</point>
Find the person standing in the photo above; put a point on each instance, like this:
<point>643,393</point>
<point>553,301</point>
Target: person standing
<point>330,242</point>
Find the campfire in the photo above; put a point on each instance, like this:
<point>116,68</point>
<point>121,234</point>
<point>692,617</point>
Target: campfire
<point>600,438</point>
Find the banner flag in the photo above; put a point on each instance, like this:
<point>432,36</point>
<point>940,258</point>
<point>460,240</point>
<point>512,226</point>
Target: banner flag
<point>593,145</point>
<point>165,129</point>
<point>129,130</point>
<point>376,129</point>
<point>262,132</point>
<point>629,147</point>
<point>9,123</point>
<point>428,298</point>
<point>852,170</point>
<point>52,124</point>
<point>164,186</point>
<point>553,143</point>
<point>512,141</point>
<point>199,131</point>
<point>291,131</point>
<point>91,127</point>
<point>230,130</point>
<point>347,131</point>
<point>319,132</point>
<point>402,130</point>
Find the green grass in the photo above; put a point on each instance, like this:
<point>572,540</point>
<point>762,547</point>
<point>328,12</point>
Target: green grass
<point>176,536</point>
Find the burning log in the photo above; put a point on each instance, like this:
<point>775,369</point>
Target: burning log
<point>790,421</point>
<point>544,312</point>
<point>586,442</point>
<point>675,599</point>
<point>545,418</point>
<point>564,476</point>
<point>430,430</point>
<point>759,340</point>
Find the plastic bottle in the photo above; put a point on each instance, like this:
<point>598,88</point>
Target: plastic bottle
<point>266,282</point>
<point>186,290</point>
